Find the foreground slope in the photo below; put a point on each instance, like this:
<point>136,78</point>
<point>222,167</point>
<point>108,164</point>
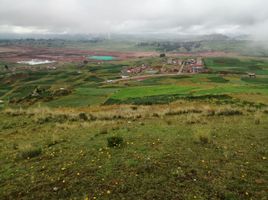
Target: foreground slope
<point>185,150</point>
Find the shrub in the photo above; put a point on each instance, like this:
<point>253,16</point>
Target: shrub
<point>229,112</point>
<point>162,55</point>
<point>203,137</point>
<point>54,140</point>
<point>178,172</point>
<point>115,141</point>
<point>44,120</point>
<point>192,119</point>
<point>169,122</point>
<point>134,107</point>
<point>103,131</point>
<point>83,116</point>
<point>30,152</point>
<point>91,117</point>
<point>15,146</point>
<point>156,115</point>
<point>257,118</point>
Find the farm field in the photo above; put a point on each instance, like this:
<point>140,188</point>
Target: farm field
<point>79,129</point>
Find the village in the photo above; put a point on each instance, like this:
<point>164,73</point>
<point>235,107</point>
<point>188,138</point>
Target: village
<point>169,66</point>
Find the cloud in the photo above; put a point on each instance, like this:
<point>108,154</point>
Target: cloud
<point>139,16</point>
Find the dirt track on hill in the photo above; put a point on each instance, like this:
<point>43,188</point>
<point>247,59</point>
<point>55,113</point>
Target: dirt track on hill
<point>142,77</point>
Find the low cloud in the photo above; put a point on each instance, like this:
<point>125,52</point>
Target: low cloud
<point>139,16</point>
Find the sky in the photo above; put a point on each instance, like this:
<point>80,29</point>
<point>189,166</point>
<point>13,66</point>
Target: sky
<point>182,17</point>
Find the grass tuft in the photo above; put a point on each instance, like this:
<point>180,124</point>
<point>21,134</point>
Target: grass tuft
<point>257,118</point>
<point>29,151</point>
<point>203,137</point>
<point>115,141</point>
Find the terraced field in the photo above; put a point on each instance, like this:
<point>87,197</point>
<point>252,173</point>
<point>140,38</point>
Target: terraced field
<point>88,85</point>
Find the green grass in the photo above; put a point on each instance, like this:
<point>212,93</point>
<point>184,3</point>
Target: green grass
<point>168,93</point>
<point>237,65</point>
<point>133,92</point>
<point>263,81</point>
<point>82,97</point>
<point>218,79</point>
<point>216,158</point>
<point>233,89</point>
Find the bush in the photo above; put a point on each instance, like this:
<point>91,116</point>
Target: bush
<point>156,115</point>
<point>192,119</point>
<point>115,141</point>
<point>257,118</point>
<point>103,131</point>
<point>229,112</point>
<point>257,121</point>
<point>83,116</point>
<point>30,152</point>
<point>203,137</point>
<point>53,140</point>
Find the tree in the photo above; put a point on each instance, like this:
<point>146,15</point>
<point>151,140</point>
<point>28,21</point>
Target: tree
<point>162,55</point>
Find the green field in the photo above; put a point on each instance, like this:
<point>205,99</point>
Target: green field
<point>89,88</point>
<point>236,65</point>
<point>82,97</point>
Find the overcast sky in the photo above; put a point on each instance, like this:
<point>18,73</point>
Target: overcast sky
<point>135,16</point>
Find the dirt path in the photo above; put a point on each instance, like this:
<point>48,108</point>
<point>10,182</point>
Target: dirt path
<point>145,77</point>
<point>182,66</point>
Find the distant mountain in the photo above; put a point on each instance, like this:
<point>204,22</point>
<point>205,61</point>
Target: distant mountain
<point>214,37</point>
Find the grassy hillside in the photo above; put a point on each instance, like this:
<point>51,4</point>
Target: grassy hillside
<point>181,151</point>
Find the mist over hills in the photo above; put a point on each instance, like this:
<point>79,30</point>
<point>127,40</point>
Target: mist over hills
<point>124,37</point>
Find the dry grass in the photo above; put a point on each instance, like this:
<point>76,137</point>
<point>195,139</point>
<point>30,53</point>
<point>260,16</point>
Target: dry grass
<point>126,112</point>
<point>257,118</point>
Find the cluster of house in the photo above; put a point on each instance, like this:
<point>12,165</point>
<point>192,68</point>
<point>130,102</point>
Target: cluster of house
<point>172,61</point>
<point>136,70</point>
<point>127,71</point>
<point>172,65</point>
<point>193,66</point>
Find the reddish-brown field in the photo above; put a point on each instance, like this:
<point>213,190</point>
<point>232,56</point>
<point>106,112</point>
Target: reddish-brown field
<point>15,54</point>
<point>63,55</point>
<point>206,54</point>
